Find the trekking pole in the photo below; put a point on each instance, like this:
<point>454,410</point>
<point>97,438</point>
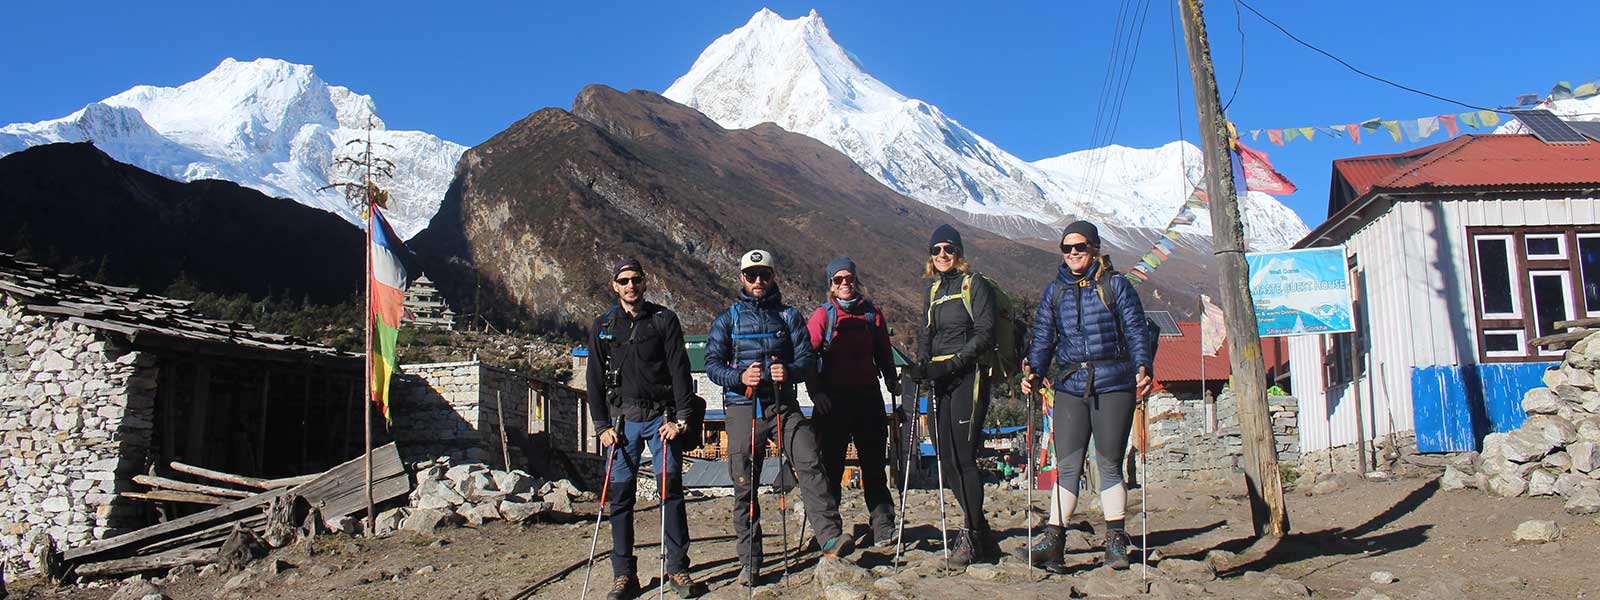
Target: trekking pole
<point>755,489</point>
<point>909,439</point>
<point>944,536</point>
<point>783,494</point>
<point>1027,455</point>
<point>1144,490</point>
<point>661,487</point>
<point>600,512</point>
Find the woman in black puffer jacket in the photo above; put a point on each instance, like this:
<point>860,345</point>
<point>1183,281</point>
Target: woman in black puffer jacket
<point>961,315</point>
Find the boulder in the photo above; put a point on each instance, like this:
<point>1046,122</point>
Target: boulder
<point>844,591</point>
<point>1590,403</point>
<point>1527,444</point>
<point>1541,482</point>
<point>984,572</point>
<point>1507,485</point>
<point>831,572</point>
<point>517,512</point>
<point>1536,531</point>
<point>1540,401</point>
<point>477,514</point>
<point>1556,430</point>
<point>514,482</point>
<point>1585,456</point>
<point>428,521</point>
<point>1575,358</point>
<point>432,472</point>
<point>1578,378</point>
<point>139,589</point>
<point>436,494</point>
<point>558,501</point>
<point>1553,378</point>
<point>1454,479</point>
<point>1382,577</point>
<point>1569,483</point>
<point>479,487</point>
<point>1189,571</point>
<point>459,473</point>
<point>1584,501</point>
<point>1559,461</point>
<point>1589,429</point>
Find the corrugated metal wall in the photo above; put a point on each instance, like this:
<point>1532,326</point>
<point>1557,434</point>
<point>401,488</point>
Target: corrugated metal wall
<point>1418,288</point>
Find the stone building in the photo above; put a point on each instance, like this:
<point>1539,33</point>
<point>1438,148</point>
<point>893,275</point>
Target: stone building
<point>454,409</point>
<point>103,383</point>
<point>428,309</point>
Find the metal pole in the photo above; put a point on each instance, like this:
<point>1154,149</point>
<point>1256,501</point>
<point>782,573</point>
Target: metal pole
<point>372,518</point>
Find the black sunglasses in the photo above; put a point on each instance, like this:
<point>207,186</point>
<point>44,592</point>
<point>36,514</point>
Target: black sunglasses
<point>1081,247</point>
<point>843,279</point>
<point>635,280</point>
<point>943,249</point>
<point>758,275</point>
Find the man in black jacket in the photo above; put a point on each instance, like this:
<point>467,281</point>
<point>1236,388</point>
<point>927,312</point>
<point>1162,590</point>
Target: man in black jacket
<point>638,370</point>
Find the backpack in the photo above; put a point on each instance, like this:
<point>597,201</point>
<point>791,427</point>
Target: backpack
<point>831,309</point>
<point>694,435</point>
<point>1101,276</point>
<point>1005,356</point>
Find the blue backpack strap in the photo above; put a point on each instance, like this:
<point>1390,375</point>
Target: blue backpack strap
<point>832,320</point>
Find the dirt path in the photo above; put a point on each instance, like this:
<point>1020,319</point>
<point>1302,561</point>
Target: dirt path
<point>1437,544</point>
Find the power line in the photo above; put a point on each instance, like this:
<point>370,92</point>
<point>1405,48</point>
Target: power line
<point>1353,67</point>
<point>1238,22</point>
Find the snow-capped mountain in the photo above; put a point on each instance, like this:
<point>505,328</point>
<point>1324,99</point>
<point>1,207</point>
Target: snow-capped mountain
<point>266,124</point>
<point>792,73</point>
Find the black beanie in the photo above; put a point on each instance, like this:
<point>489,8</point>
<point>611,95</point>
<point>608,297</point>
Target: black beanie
<point>946,234</point>
<point>1086,229</point>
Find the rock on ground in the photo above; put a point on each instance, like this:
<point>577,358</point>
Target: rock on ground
<point>1536,531</point>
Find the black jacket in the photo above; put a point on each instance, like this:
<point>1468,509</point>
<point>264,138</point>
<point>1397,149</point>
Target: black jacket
<point>949,330</point>
<point>648,353</point>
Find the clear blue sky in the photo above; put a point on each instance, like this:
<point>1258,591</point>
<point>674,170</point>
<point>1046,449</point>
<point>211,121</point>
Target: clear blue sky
<point>1025,75</point>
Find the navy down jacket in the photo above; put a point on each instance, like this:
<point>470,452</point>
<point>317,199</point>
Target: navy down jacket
<point>754,331</point>
<point>1082,329</point>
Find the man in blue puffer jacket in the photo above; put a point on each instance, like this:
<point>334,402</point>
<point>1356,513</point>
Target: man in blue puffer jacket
<point>1090,340</point>
<point>758,346</point>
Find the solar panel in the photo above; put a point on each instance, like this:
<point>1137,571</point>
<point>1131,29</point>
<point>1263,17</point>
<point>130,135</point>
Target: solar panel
<point>1164,320</point>
<point>1548,127</point>
<point>1590,129</point>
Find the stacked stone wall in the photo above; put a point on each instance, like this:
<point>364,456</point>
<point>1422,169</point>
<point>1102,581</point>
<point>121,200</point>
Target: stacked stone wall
<point>1185,448</point>
<point>78,412</point>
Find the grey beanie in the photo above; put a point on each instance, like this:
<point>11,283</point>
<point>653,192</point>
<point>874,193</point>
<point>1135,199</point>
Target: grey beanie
<point>842,263</point>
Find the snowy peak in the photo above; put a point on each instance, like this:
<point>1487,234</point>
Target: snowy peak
<point>792,73</point>
<point>267,124</point>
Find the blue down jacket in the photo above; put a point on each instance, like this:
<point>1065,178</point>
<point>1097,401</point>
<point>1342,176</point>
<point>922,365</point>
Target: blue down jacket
<point>1081,329</point>
<point>755,331</point>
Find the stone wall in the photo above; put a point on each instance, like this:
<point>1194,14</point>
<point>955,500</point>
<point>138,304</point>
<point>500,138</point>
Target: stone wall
<point>450,410</point>
<point>77,410</point>
<point>1182,447</point>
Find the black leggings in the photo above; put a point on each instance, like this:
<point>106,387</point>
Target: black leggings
<point>963,406</point>
<point>1109,417</point>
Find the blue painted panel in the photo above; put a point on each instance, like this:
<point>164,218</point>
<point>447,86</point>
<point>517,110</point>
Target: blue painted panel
<point>1503,387</point>
<point>1448,408</point>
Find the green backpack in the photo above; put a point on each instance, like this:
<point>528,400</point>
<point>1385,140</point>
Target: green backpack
<point>1004,358</point>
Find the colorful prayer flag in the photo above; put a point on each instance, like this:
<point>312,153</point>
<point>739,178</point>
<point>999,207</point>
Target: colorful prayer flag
<point>1307,132</point>
<point>1409,128</point>
<point>388,281</point>
<point>1394,129</point>
<point>1259,174</point>
<point>1470,119</point>
<point>1489,118</point>
<point>1449,122</point>
<point>1213,329</point>
<point>1427,126</point>
<point>1275,136</point>
<point>1290,134</point>
<point>1355,132</point>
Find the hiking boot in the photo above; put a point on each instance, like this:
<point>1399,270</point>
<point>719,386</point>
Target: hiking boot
<point>963,551</point>
<point>681,584</point>
<point>988,550</point>
<point>623,587</point>
<point>1047,548</point>
<point>839,547</point>
<point>1117,543</point>
<point>884,536</point>
<point>749,576</point>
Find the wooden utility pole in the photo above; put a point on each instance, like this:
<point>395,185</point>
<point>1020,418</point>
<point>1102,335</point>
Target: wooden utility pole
<point>1267,508</point>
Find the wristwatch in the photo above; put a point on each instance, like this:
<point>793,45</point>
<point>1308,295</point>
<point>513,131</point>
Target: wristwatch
<point>682,425</point>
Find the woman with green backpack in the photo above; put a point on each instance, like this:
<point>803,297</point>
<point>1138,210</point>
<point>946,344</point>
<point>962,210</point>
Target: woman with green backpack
<point>960,329</point>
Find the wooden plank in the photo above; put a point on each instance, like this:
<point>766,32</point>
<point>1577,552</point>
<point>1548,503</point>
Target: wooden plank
<point>215,534</point>
<point>184,486</point>
<point>1587,322</point>
<point>258,483</point>
<point>1570,337</point>
<point>138,564</point>
<point>227,512</point>
<point>273,484</point>
<point>175,496</point>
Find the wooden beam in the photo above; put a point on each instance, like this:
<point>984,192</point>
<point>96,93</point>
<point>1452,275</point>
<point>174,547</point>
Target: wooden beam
<point>172,496</point>
<point>227,512</point>
<point>260,484</point>
<point>139,564</point>
<point>1269,513</point>
<point>1570,337</point>
<point>1586,322</point>
<point>193,488</point>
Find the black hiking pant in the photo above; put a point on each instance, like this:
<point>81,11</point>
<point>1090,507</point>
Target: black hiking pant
<point>963,400</point>
<point>800,449</point>
<point>843,415</point>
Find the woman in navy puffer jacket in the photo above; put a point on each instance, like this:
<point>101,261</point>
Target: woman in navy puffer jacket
<point>1090,340</point>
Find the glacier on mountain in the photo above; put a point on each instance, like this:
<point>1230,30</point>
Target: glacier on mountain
<point>792,73</point>
<point>266,124</point>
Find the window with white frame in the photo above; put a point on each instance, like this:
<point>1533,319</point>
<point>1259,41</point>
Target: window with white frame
<point>1525,280</point>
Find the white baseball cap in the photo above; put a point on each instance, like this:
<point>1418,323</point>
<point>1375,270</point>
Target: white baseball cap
<point>756,258</point>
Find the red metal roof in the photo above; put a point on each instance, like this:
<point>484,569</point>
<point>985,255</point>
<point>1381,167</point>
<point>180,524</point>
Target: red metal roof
<point>1178,358</point>
<point>1475,161</point>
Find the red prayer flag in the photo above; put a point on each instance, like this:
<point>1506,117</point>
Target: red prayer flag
<point>1355,132</point>
<point>1259,176</point>
<point>1449,122</point>
<point>1276,135</point>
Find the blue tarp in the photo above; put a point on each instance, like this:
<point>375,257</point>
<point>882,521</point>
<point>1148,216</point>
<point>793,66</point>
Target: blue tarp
<point>1003,430</point>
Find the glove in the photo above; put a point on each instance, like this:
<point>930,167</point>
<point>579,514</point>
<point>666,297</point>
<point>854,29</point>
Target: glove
<point>939,369</point>
<point>918,370</point>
